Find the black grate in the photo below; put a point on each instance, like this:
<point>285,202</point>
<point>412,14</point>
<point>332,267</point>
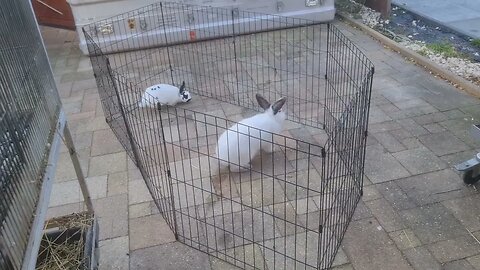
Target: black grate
<point>290,206</point>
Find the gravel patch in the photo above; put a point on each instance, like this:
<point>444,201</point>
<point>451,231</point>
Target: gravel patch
<point>415,34</point>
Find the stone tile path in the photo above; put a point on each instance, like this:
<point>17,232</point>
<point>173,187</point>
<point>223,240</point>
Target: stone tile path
<point>415,213</point>
<point>461,16</point>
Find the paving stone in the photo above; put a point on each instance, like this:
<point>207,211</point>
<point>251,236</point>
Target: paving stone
<point>251,254</point>
<point>84,125</point>
<point>454,114</point>
<point>449,101</point>
<point>466,137</point>
<point>361,211</point>
<point>401,134</point>
<point>81,141</point>
<point>411,126</point>
<point>383,126</point>
<point>430,118</point>
<point>437,143</point>
<point>230,109</point>
<point>65,209</point>
<point>397,198</point>
<point>434,128</point>
<point>459,126</point>
<point>93,92</point>
<point>420,258</point>
<point>371,193</point>
<point>235,228</point>
<point>134,173</point>
<point>114,254</point>
<point>475,261</point>
<point>263,192</point>
<point>377,116</point>
<point>117,183</point>
<point>65,170</point>
<point>199,192</point>
<point>341,258</point>
<point>383,167</point>
<point>84,84</point>
<point>301,246</point>
<point>432,223</point>
<point>366,181</point>
<point>64,89</point>
<point>416,104</point>
<point>108,164</point>
<point>433,187</point>
<point>69,191</point>
<point>99,110</point>
<point>343,267</point>
<point>363,237</point>
<point>149,231</point>
<point>76,76</point>
<point>218,264</point>
<point>72,107</point>
<point>171,256</point>
<point>466,210</point>
<point>473,111</point>
<point>73,99</point>
<point>412,143</point>
<point>386,215</point>
<point>73,118</point>
<point>405,239</point>
<point>310,204</point>
<point>301,134</point>
<point>112,213</point>
<point>389,142</point>
<point>455,249</point>
<point>140,210</point>
<point>138,192</point>
<point>387,107</point>
<point>286,220</point>
<point>105,142</point>
<point>458,265</point>
<point>402,92</point>
<point>419,160</point>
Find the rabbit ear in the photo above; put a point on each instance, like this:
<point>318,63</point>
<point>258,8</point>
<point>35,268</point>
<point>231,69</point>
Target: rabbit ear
<point>262,102</point>
<point>277,106</point>
<point>182,88</point>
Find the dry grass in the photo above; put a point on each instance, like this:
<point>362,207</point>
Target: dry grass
<point>66,249</point>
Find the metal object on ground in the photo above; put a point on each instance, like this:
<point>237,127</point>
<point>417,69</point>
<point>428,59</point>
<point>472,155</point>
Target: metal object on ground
<point>471,167</point>
<point>290,206</point>
<point>69,242</point>
<point>32,123</point>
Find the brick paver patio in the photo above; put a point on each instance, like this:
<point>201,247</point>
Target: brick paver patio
<point>416,213</point>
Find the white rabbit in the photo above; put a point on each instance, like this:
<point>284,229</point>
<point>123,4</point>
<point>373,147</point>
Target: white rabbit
<point>164,94</point>
<point>238,145</point>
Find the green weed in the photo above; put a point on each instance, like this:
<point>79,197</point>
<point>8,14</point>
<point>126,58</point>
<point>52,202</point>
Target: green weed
<point>445,49</point>
<point>476,42</point>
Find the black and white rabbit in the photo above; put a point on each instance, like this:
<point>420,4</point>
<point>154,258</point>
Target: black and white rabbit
<point>238,145</point>
<point>164,94</point>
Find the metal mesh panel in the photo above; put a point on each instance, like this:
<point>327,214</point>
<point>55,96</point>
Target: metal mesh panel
<point>289,206</point>
<point>29,109</point>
